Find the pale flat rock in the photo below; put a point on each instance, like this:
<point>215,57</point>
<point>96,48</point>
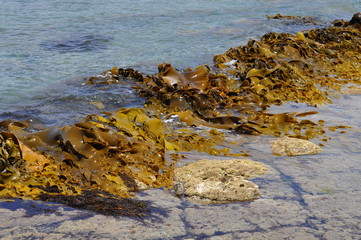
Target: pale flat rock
<point>218,181</point>
<point>216,191</point>
<point>294,147</point>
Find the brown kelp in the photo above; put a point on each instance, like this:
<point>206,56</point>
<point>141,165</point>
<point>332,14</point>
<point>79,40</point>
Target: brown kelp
<point>109,156</point>
<point>10,157</point>
<point>244,81</point>
<point>105,158</point>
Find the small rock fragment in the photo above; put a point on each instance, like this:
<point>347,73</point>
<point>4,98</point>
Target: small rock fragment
<point>294,147</point>
<point>178,189</point>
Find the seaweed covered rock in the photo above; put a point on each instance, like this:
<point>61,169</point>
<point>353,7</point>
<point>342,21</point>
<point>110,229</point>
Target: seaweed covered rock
<point>236,92</point>
<point>117,154</point>
<point>92,155</point>
<point>224,104</point>
<point>355,22</point>
<point>286,67</point>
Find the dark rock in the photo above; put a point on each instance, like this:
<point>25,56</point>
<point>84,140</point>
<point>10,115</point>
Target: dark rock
<point>356,19</point>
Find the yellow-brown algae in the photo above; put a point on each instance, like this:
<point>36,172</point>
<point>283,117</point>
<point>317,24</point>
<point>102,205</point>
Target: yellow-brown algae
<point>116,154</point>
<point>279,68</point>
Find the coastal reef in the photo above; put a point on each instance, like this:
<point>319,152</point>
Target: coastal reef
<point>97,162</point>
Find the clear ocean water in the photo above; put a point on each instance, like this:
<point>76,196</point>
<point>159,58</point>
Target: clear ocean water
<point>47,48</point>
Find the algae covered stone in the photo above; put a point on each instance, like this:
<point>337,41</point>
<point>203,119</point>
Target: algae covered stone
<point>219,181</point>
<point>294,147</point>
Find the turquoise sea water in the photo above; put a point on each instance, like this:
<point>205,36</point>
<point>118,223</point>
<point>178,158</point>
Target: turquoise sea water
<point>48,47</point>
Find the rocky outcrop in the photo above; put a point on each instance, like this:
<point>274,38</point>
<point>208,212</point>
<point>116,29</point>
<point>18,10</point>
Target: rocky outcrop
<point>356,19</point>
<point>294,146</point>
<point>218,181</point>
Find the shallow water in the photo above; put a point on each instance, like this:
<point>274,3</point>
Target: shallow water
<point>47,48</point>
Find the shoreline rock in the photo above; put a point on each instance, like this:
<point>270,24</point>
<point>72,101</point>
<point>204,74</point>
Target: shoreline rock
<point>288,146</point>
<point>218,181</point>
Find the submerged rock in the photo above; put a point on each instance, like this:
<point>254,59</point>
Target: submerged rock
<point>218,181</point>
<point>294,146</point>
<point>77,43</point>
<point>353,90</point>
<point>296,19</point>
